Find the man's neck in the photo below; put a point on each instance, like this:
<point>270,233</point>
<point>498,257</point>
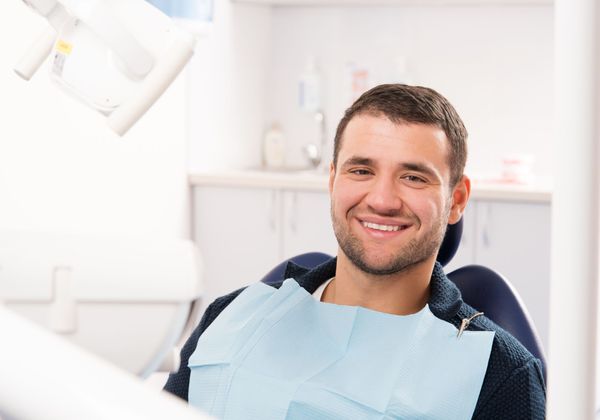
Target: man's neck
<point>401,293</point>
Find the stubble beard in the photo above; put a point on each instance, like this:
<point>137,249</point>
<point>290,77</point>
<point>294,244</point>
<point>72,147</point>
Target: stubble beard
<point>414,252</point>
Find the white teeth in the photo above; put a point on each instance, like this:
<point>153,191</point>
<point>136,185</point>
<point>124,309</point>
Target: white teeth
<point>386,228</point>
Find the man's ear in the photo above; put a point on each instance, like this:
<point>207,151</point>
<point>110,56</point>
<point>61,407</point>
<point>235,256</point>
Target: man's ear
<point>331,177</point>
<point>460,197</point>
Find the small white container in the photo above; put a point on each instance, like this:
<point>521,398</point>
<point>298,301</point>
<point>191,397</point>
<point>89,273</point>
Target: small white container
<point>309,88</point>
<point>274,147</point>
<point>356,82</point>
<point>518,169</point>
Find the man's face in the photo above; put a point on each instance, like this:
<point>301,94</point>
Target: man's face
<point>390,194</point>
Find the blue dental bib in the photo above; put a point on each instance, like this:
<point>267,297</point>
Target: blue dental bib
<point>276,354</point>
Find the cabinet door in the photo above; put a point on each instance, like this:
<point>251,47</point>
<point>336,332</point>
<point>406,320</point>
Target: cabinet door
<point>307,224</point>
<point>514,239</point>
<point>237,231</point>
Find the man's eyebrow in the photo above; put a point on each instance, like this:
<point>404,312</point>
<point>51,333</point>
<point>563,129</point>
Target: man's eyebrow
<point>357,160</point>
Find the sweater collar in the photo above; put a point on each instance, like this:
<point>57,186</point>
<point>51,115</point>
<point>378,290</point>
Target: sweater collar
<point>444,299</point>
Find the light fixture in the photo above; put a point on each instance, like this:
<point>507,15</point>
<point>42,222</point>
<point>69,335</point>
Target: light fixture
<point>117,56</point>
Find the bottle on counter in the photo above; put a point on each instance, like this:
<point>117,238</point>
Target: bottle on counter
<point>274,147</point>
<point>356,82</point>
<point>309,87</point>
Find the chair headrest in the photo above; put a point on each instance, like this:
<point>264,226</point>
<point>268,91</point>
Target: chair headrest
<point>450,243</point>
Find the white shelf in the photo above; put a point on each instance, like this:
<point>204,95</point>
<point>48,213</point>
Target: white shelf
<point>308,181</point>
<point>398,2</point>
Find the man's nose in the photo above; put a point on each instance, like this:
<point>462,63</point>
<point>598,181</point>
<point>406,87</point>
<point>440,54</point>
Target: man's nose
<point>384,196</point>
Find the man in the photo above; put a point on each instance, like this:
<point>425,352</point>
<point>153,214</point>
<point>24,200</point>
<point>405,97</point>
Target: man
<point>385,334</point>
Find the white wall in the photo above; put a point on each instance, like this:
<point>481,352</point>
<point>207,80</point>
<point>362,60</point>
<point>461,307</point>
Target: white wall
<point>61,169</point>
<point>229,87</point>
<point>494,63</point>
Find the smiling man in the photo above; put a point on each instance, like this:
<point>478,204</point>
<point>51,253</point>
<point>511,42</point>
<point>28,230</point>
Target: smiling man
<point>392,195</point>
<point>372,333</point>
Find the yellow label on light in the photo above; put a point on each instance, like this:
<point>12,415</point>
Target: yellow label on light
<point>64,47</point>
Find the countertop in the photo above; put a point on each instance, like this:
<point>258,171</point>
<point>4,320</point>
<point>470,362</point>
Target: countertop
<point>538,191</point>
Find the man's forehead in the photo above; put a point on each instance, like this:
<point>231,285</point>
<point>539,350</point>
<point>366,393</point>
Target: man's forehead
<point>366,128</point>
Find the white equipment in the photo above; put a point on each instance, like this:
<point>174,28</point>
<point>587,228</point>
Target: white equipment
<point>128,300</point>
<point>46,378</point>
<point>118,56</point>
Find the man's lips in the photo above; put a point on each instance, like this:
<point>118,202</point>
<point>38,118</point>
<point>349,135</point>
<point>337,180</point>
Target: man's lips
<point>384,226</point>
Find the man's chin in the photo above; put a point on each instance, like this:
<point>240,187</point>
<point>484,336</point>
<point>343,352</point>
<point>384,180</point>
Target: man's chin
<point>381,268</point>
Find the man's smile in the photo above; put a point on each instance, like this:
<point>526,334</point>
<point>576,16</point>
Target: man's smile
<point>388,228</point>
<point>383,229</point>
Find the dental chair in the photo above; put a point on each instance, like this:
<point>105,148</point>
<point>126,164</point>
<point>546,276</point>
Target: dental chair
<point>480,287</point>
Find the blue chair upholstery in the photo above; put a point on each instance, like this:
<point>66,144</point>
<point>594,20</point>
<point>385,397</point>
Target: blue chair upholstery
<point>482,288</point>
<point>450,243</point>
<point>491,293</point>
<point>308,260</point>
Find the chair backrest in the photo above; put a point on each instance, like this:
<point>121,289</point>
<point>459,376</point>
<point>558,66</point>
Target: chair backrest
<point>489,292</point>
<point>450,243</point>
<point>308,260</point>
<point>480,287</point>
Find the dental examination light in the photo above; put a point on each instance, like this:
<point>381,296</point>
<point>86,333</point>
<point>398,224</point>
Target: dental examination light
<point>117,56</point>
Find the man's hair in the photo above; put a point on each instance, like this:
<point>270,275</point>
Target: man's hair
<point>412,104</point>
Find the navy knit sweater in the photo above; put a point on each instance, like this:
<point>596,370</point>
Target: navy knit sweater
<point>513,387</point>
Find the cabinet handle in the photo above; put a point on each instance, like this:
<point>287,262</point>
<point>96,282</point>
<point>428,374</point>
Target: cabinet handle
<point>273,211</point>
<point>294,213</point>
<point>485,237</point>
<point>485,234</point>
<point>464,239</point>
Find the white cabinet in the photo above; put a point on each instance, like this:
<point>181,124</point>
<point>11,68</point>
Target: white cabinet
<point>306,224</point>
<point>514,239</point>
<point>237,232</point>
<point>244,232</point>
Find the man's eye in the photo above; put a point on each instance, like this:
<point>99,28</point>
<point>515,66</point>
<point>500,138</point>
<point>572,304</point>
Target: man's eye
<point>360,172</point>
<point>413,178</point>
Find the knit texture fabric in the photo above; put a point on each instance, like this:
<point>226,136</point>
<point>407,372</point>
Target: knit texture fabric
<point>513,387</point>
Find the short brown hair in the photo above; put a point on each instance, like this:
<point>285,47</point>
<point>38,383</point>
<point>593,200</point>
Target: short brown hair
<point>412,104</point>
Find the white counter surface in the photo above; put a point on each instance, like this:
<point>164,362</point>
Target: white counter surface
<point>538,191</point>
